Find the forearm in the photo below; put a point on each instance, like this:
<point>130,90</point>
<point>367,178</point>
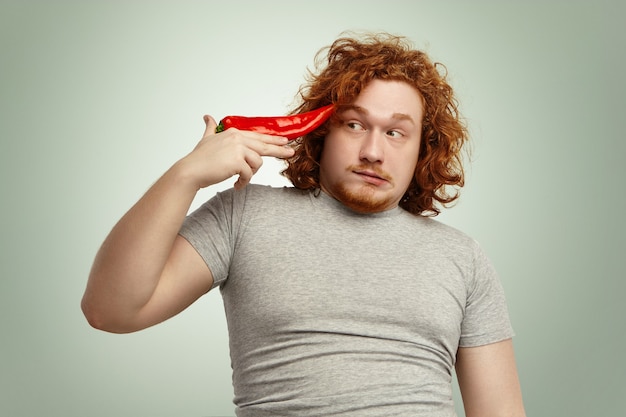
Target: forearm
<point>139,276</point>
<point>128,266</point>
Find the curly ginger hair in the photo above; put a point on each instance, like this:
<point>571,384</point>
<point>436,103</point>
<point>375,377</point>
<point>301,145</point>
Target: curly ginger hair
<point>349,66</point>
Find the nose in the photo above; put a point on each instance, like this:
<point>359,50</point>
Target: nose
<point>372,147</point>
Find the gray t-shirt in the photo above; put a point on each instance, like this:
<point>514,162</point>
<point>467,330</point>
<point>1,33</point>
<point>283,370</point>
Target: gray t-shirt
<point>335,313</point>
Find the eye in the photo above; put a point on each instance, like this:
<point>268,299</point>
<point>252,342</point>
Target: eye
<point>394,134</point>
<point>356,126</point>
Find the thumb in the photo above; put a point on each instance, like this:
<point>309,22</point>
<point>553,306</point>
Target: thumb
<point>211,124</point>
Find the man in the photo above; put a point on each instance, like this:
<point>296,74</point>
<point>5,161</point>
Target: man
<point>343,297</point>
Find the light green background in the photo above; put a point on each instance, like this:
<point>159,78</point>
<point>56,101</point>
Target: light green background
<point>98,98</point>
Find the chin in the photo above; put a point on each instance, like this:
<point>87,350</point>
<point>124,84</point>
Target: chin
<point>363,200</point>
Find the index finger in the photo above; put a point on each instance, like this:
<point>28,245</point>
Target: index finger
<point>268,145</point>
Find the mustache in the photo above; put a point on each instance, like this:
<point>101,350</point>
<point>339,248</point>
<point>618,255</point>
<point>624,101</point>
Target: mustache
<point>371,168</point>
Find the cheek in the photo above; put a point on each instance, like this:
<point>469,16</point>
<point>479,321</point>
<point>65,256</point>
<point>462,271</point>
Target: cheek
<point>405,168</point>
<point>328,161</point>
<point>333,153</point>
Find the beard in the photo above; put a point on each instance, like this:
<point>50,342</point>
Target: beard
<point>363,197</point>
<point>363,200</point>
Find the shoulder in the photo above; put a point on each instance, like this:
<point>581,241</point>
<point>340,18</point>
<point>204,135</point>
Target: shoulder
<point>447,242</point>
<point>441,232</point>
<point>273,191</point>
<point>256,199</point>
<point>258,193</point>
<point>267,194</point>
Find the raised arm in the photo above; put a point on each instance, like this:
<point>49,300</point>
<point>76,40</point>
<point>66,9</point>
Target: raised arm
<point>145,272</point>
<point>489,382</point>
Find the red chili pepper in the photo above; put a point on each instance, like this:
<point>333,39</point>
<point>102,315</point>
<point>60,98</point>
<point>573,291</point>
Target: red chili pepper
<point>291,127</point>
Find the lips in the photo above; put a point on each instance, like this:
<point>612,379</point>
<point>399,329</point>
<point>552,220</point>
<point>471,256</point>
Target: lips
<point>372,176</point>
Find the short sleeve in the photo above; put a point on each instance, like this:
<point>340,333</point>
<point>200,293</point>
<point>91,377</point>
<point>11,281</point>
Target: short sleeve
<point>486,318</point>
<point>211,230</point>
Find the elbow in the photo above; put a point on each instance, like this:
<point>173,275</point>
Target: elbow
<point>94,317</point>
<point>100,320</point>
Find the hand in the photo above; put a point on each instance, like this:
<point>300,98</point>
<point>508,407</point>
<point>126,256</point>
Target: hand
<point>218,157</point>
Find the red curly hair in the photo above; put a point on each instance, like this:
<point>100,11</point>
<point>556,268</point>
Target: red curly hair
<point>349,66</point>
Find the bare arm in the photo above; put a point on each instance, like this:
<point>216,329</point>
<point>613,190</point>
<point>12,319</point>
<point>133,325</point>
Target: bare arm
<point>489,382</point>
<point>145,272</point>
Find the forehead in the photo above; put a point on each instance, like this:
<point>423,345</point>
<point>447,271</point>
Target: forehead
<point>385,98</point>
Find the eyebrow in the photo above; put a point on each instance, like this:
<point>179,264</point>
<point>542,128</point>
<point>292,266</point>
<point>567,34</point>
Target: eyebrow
<point>365,112</point>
